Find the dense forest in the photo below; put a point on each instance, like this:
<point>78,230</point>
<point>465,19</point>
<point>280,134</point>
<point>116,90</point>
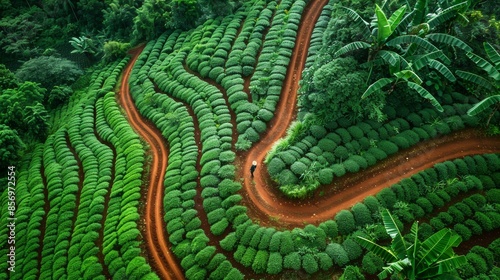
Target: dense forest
<point>128,128</point>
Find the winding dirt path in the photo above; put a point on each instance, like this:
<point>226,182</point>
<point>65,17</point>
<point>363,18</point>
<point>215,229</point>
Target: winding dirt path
<point>162,260</point>
<point>263,199</point>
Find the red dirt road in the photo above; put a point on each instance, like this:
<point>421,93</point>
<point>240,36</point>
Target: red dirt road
<point>163,261</point>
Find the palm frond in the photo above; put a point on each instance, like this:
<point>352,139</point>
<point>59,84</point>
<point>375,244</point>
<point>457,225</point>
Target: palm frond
<point>483,105</point>
<point>390,57</point>
<point>425,94</point>
<point>441,68</point>
<point>449,40</point>
<point>405,22</point>
<point>379,84</point>
<point>398,243</point>
<point>354,46</point>
<point>441,267</point>
<point>474,78</point>
<point>358,20</point>
<point>436,245</point>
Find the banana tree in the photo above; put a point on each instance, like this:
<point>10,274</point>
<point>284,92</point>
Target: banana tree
<point>410,258</point>
<point>491,83</point>
<point>404,41</point>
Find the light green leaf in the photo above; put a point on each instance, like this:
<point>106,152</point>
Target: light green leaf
<point>384,28</point>
<point>396,18</point>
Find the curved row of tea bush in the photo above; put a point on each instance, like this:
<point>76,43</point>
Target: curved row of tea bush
<point>482,262</point>
<point>313,155</point>
<point>271,69</point>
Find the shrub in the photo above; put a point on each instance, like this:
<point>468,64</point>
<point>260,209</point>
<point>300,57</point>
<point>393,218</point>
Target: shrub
<point>204,256</point>
<point>463,231</point>
<point>361,161</point>
<point>400,142</point>
<point>341,152</point>
<point>436,223</point>
<point>309,264</point>
<point>483,220</point>
<point>275,167</point>
<point>327,145</point>
<point>292,261</point>
<point>286,245</point>
<point>352,249</point>
<point>477,262</point>
<point>416,210</point>
<point>362,215</point>
<point>325,176</point>
<point>425,204</point>
<point>221,271</point>
<point>287,177</point>
<point>248,257</point>
<point>274,263</point>
<point>445,218</point>
<point>495,248</point>
<point>298,168</point>
<point>388,147</point>
<point>330,228</point>
<point>228,242</point>
<point>275,242</point>
<point>371,263</point>
<point>260,263</point>
<point>474,227</point>
<point>387,198</point>
<point>425,231</point>
<point>338,170</point>
<point>345,222</point>
<point>443,195</point>
<point>493,195</point>
<point>317,131</point>
<point>351,166</point>
<point>372,204</point>
<point>337,254</point>
<point>435,200</point>
<point>486,254</point>
<point>344,135</point>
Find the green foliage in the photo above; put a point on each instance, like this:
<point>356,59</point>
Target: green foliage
<point>275,263</point>
<point>11,146</point>
<point>49,71</point>
<point>337,253</point>
<point>345,221</point>
<point>292,261</point>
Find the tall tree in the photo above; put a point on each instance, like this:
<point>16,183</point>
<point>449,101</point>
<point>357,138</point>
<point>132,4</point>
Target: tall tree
<point>410,258</point>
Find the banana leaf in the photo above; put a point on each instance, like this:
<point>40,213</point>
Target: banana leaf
<point>420,11</point>
<point>485,65</point>
<point>389,57</point>
<point>441,68</point>
<point>386,254</point>
<point>473,78</point>
<point>393,268</point>
<point>421,61</point>
<point>398,244</point>
<point>442,267</point>
<point>437,245</point>
<point>376,86</point>
<point>483,105</point>
<point>396,18</point>
<point>407,75</point>
<point>449,40</point>
<point>492,55</point>
<point>405,22</point>
<point>446,14</point>
<point>384,27</point>
<point>425,94</point>
<point>412,39</point>
<point>354,46</point>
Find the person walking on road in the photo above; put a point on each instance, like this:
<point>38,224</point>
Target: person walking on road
<point>253,167</point>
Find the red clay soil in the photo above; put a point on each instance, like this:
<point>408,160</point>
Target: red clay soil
<point>267,204</point>
<point>163,261</point>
